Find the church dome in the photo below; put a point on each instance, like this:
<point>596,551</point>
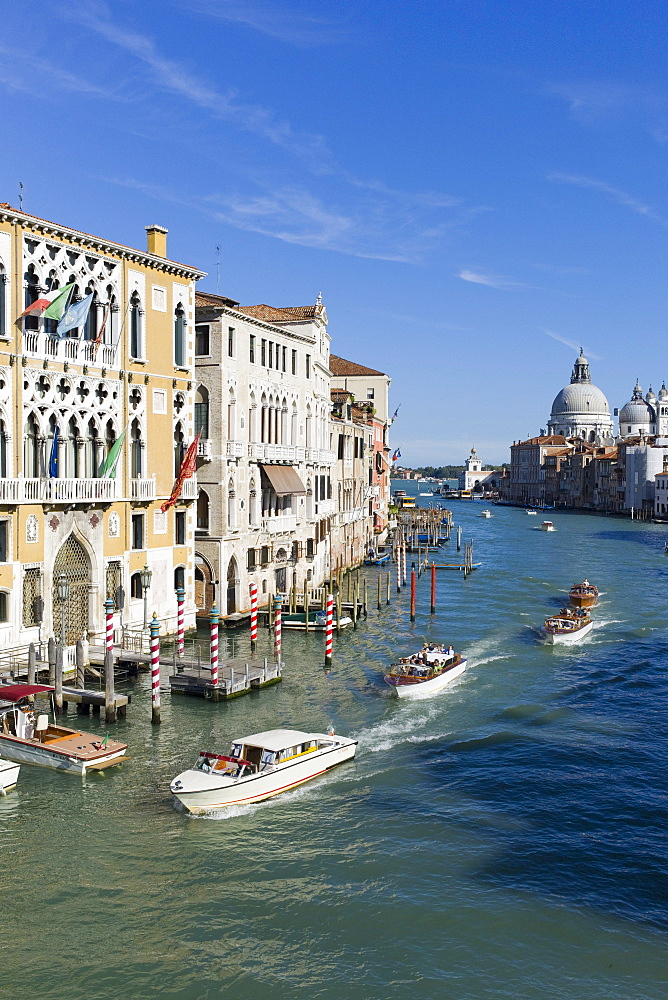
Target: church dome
<point>637,411</point>
<point>580,398</point>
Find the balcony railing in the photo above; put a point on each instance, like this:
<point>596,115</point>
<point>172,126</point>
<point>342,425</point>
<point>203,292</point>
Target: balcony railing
<point>280,525</point>
<point>235,449</point>
<point>37,344</point>
<point>204,449</point>
<point>276,452</point>
<point>320,456</point>
<point>189,489</point>
<point>58,490</point>
<point>325,508</point>
<point>142,489</point>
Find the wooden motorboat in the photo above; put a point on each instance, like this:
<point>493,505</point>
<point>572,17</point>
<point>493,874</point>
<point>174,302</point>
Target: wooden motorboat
<point>317,620</point>
<point>547,526</point>
<point>583,595</point>
<point>259,767</point>
<point>426,672</point>
<point>570,625</point>
<point>9,775</point>
<point>27,735</point>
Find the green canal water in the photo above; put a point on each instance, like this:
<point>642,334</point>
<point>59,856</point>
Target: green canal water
<point>506,838</point>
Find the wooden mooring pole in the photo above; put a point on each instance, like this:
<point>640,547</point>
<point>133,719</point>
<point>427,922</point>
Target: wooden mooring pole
<point>109,692</point>
<point>433,589</point>
<point>413,580</point>
<point>32,663</point>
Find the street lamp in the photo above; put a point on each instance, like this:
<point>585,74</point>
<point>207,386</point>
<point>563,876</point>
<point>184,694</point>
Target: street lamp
<point>63,589</point>
<point>145,577</point>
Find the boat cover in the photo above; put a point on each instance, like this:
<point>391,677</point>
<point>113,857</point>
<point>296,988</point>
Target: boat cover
<point>15,692</point>
<point>284,480</point>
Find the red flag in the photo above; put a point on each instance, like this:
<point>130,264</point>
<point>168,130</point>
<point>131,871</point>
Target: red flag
<point>188,466</point>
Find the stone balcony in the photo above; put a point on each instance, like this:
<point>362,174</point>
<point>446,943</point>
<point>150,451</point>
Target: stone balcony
<point>235,449</point>
<point>58,491</point>
<point>142,489</point>
<point>37,344</point>
<point>204,449</point>
<point>280,525</point>
<point>189,489</point>
<point>275,452</point>
<point>325,508</point>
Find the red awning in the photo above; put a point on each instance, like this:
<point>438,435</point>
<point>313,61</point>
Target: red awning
<point>15,692</point>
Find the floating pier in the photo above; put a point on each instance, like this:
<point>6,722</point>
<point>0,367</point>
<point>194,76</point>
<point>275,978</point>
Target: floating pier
<point>235,677</point>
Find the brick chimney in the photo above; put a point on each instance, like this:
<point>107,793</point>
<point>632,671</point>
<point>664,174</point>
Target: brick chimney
<point>156,239</point>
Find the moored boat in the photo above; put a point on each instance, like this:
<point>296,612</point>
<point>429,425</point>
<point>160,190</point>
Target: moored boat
<point>377,558</point>
<point>28,737</point>
<point>317,620</point>
<point>583,595</point>
<point>425,673</point>
<point>259,767</point>
<point>547,526</point>
<point>9,775</point>
<point>568,626</point>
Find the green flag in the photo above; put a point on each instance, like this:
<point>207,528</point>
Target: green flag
<point>56,307</point>
<point>108,467</point>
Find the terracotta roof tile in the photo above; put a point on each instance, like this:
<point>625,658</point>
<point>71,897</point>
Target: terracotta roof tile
<point>339,366</point>
<point>283,314</point>
<point>204,300</point>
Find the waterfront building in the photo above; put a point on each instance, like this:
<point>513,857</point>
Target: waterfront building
<point>643,460</point>
<point>65,405</point>
<point>533,463</point>
<point>580,409</point>
<point>352,477</point>
<point>661,495</point>
<point>265,464</point>
<point>472,476</point>
<point>370,389</point>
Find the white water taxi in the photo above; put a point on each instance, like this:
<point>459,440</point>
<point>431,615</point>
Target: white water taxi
<point>531,513</point>
<point>259,767</point>
<point>27,736</point>
<point>568,626</point>
<point>547,526</point>
<point>9,775</point>
<point>485,513</point>
<point>425,673</point>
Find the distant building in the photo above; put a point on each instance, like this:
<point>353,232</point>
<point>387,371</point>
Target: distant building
<point>472,476</point>
<point>580,409</point>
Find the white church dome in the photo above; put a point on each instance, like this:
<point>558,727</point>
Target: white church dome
<point>580,397</point>
<point>581,409</point>
<point>637,415</point>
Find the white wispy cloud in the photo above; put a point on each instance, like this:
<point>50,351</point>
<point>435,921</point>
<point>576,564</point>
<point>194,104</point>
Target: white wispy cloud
<point>490,280</point>
<point>621,197</point>
<point>606,102</point>
<point>572,344</point>
<point>285,24</point>
<point>27,72</point>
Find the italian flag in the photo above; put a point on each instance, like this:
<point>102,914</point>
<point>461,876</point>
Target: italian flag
<point>52,304</point>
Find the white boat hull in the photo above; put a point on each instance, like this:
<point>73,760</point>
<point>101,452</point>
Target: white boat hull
<point>25,752</point>
<point>9,775</point>
<point>425,689</point>
<point>568,637</point>
<point>202,793</point>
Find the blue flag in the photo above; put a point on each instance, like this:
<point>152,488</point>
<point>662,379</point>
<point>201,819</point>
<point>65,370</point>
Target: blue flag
<point>75,315</point>
<point>53,458</point>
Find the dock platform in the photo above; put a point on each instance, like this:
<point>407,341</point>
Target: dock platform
<point>235,678</point>
<point>86,699</point>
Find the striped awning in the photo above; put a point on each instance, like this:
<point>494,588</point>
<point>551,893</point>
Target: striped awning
<point>284,480</point>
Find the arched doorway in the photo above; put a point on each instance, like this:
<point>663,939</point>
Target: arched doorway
<point>72,560</point>
<point>204,589</point>
<point>280,571</point>
<point>232,586</point>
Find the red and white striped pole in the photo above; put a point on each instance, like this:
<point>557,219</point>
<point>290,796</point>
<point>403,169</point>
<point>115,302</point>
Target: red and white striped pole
<point>155,670</point>
<point>181,619</point>
<point>329,629</point>
<point>403,560</point>
<point>214,616</point>
<point>253,623</point>
<point>278,621</point>
<point>109,624</point>
<point>398,568</point>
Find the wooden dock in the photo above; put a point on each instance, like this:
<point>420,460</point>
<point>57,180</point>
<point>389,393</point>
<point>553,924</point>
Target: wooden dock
<point>85,699</point>
<point>235,678</point>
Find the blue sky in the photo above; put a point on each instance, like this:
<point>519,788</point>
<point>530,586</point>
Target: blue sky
<point>476,187</point>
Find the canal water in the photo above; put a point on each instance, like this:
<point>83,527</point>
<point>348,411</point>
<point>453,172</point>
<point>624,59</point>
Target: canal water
<point>506,838</point>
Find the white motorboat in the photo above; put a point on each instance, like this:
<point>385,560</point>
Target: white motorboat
<point>547,526</point>
<point>259,767</point>
<point>531,513</point>
<point>27,735</point>
<point>425,673</point>
<point>9,775</point>
<point>568,626</point>
<point>485,513</point>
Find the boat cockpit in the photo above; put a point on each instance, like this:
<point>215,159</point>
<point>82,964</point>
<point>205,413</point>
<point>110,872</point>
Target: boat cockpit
<point>246,760</point>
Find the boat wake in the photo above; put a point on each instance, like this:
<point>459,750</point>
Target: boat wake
<point>408,727</point>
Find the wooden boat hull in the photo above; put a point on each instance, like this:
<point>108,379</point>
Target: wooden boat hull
<point>313,626</point>
<point>377,560</point>
<point>568,637</point>
<point>45,755</point>
<point>583,602</point>
<point>202,793</point>
<point>9,775</point>
<point>426,688</point>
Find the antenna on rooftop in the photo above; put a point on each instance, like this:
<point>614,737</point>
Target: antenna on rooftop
<point>20,196</point>
<point>217,269</point>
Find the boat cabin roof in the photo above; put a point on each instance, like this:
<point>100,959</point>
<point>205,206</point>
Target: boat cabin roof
<point>276,739</point>
<point>17,692</point>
